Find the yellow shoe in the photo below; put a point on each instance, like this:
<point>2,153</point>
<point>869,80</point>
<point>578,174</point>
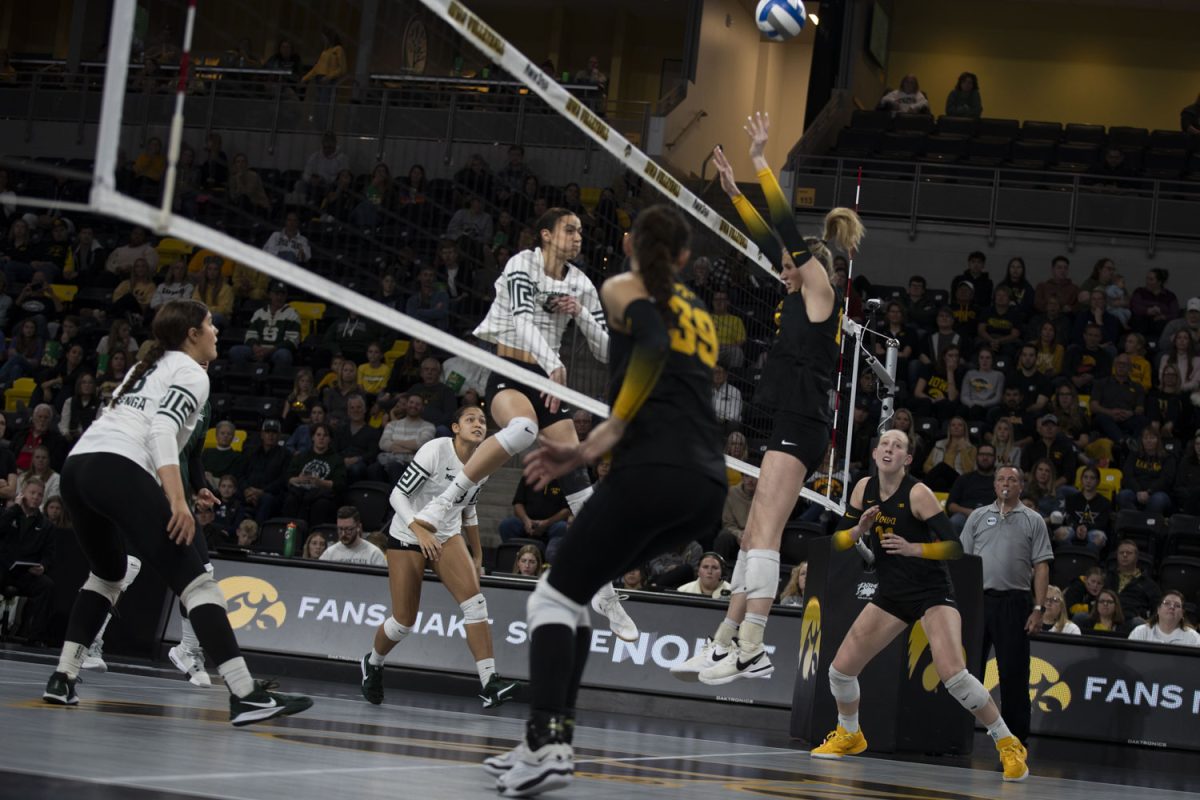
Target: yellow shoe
<point>1012,756</point>
<point>841,743</point>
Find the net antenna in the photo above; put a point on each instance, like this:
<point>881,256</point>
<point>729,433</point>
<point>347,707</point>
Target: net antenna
<point>105,199</point>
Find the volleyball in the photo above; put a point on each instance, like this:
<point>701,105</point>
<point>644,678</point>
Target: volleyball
<point>780,20</point>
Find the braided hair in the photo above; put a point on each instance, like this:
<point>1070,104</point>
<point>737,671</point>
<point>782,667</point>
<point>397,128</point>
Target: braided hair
<point>172,324</point>
<point>660,235</point>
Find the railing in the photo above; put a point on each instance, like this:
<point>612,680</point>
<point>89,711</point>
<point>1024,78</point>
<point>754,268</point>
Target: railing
<point>1072,204</point>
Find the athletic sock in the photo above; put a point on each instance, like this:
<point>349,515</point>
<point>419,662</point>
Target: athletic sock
<point>376,658</point>
<point>187,636</point>
<point>70,660</point>
<point>998,730</point>
<point>457,491</point>
<point>486,667</point>
<point>725,633</point>
<point>99,638</point>
<point>237,676</point>
<point>750,634</point>
<point>848,721</point>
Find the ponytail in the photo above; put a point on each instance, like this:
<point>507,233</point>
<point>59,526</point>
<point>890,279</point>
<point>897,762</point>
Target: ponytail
<point>172,324</point>
<point>156,351</point>
<point>660,235</point>
<point>843,229</point>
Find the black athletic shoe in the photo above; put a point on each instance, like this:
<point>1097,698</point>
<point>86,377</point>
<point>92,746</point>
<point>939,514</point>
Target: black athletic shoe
<point>60,690</point>
<point>497,692</point>
<point>263,704</point>
<point>372,681</point>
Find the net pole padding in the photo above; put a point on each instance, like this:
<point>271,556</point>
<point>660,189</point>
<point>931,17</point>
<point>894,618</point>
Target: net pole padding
<point>858,343</point>
<point>516,64</point>
<point>112,103</point>
<point>139,213</point>
<point>175,140</point>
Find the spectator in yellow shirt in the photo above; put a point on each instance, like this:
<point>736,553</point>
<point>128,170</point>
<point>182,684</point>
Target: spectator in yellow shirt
<point>731,331</point>
<point>325,74</point>
<point>1140,370</point>
<point>373,376</point>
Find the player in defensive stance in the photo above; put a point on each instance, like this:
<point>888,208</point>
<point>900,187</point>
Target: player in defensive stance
<point>410,545</point>
<point>664,433</point>
<point>538,293</point>
<point>796,384</point>
<point>122,482</point>
<point>911,538</point>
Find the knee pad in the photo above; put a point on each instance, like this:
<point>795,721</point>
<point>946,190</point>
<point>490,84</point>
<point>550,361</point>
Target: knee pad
<point>737,583</point>
<point>394,630</point>
<point>549,606</point>
<point>474,610</point>
<point>202,591</point>
<point>968,691</point>
<point>109,590</point>
<point>132,569</point>
<point>762,574</point>
<point>844,687</point>
<point>518,435</point>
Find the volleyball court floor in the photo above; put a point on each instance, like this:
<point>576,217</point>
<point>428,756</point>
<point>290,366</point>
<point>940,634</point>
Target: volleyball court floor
<point>142,736</point>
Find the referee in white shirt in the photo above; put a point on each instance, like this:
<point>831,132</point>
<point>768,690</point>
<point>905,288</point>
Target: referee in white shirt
<point>1013,543</point>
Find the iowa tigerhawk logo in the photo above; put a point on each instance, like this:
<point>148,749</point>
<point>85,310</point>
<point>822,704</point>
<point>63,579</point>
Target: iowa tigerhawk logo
<point>810,638</point>
<point>252,601</point>
<point>1046,688</point>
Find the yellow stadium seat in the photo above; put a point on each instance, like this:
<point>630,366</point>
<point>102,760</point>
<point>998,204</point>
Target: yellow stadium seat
<point>19,393</point>
<point>239,439</point>
<point>1110,481</point>
<point>309,313</point>
<point>170,249</point>
<point>65,292</point>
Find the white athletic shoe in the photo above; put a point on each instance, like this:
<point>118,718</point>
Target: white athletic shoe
<point>619,621</point>
<point>711,654</point>
<point>740,665</point>
<point>190,663</point>
<point>94,660</point>
<point>544,770</point>
<point>498,765</point>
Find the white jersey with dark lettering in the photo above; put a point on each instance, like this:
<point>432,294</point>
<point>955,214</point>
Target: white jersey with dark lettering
<point>521,317</point>
<point>432,470</point>
<point>154,417</point>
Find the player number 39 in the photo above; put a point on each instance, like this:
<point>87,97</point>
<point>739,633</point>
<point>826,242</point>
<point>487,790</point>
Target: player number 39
<point>696,334</point>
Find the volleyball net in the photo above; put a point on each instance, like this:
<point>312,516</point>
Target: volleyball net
<point>398,197</point>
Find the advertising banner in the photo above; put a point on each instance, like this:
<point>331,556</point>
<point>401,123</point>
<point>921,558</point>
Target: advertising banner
<point>327,613</point>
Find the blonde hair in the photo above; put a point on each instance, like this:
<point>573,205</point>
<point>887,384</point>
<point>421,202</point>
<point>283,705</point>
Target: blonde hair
<point>1063,619</point>
<point>844,229</point>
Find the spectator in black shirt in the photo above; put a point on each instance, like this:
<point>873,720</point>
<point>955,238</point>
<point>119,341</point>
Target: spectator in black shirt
<point>214,172</point>
<point>538,515</point>
<point>976,274</point>
<point>1168,409</point>
<point>966,311</point>
<point>1034,385</point>
<point>894,326</point>
<point>1053,446</point>
<point>26,551</point>
<point>973,489</point>
<point>1138,593</point>
<point>1097,313</point>
<point>356,441</point>
<point>942,337</point>
<point>1020,289</point>
<point>440,400</point>
<point>264,473</point>
<point>1086,515</point>
<point>919,305</point>
<point>1012,410</point>
<point>1000,326</point>
<point>1148,476</point>
<point>1089,363</point>
<point>1111,171</point>
<point>1118,404</point>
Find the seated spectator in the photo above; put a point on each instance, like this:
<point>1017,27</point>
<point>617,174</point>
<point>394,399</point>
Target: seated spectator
<point>1080,596</point>
<point>300,439</point>
<point>148,169</point>
<point>709,580</point>
<point>982,387</point>
<point>356,441</point>
<point>1168,409</point>
<point>475,178</point>
<point>349,336</point>
<point>273,334</point>
<point>582,420</point>
<point>511,177</point>
<point>1138,593</point>
<point>727,401</point>
<point>634,578</point>
<point>908,99</point>
<point>919,305</point>
<point>264,473</point>
<point>965,310</point>
<point>112,374</point>
<point>214,172</point>
<point>230,512</point>
<point>26,550</point>
<point>976,274</point>
<point>1059,286</point>
<point>593,76</point>
<point>336,395</point>
<point>1153,305</point>
<point>1106,617</point>
<point>731,331</point>
<point>1111,172</point>
<point>1118,300</point>
<point>793,593</point>
<point>1190,321</point>
<point>133,295</point>
<point>1148,476</point>
<point>215,291</point>
<point>1140,371</point>
<point>974,488</point>
<point>53,255</point>
<point>1055,618</point>
<point>411,199</point>
<point>79,410</point>
<point>37,301</point>
<point>440,401</point>
<point>734,517</point>
<point>175,285</point>
<point>298,404</point>
<point>1020,290</point>
<point>429,303</point>
<point>1118,405</point>
<point>1097,314</point>
<point>323,165</point>
<point>937,391</point>
<point>964,100</point>
<point>528,562</point>
<point>188,183</point>
<point>902,420</point>
<point>541,515</point>
<point>314,546</point>
<point>389,293</point>
<point>351,548</point>
<point>403,436</point>
<point>1059,321</point>
<point>1087,365</point>
<point>1182,355</point>
<point>1051,445</point>
<point>1035,386</point>
<point>1086,515</point>
<point>1041,492</point>
<point>86,265</point>
<point>118,339</point>
<point>942,336</point>
<point>341,201</point>
<point>951,457</point>
<point>246,190</point>
<point>473,222</point>
<point>1020,426</point>
<point>895,326</point>
<point>463,375</point>
<point>121,259</point>
<point>40,432</point>
<point>373,376</point>
<point>736,446</point>
<point>25,349</point>
<point>315,479</point>
<point>1167,625</point>
<point>40,469</point>
<point>290,244</point>
<point>245,535</point>
<point>379,198</point>
<point>222,459</point>
<point>1000,326</point>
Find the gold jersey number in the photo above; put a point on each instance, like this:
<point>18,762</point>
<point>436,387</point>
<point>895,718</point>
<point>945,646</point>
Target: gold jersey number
<point>696,335</point>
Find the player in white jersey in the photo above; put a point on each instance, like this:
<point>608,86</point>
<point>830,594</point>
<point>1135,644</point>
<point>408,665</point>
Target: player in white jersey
<point>538,293</point>
<point>121,484</point>
<point>410,545</point>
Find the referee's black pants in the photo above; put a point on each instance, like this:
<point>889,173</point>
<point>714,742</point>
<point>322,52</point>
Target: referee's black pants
<point>1004,616</point>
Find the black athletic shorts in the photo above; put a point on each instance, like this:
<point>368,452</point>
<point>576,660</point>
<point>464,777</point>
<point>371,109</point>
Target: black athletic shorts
<point>545,418</point>
<point>802,437</point>
<point>911,606</point>
<point>395,544</point>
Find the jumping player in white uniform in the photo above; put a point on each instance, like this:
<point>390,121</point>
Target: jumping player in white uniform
<point>122,483</point>
<point>538,293</point>
<point>410,545</point>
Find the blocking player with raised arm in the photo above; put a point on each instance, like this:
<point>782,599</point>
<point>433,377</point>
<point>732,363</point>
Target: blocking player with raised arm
<point>122,487</point>
<point>538,293</point>
<point>796,385</point>
<point>666,485</point>
<point>458,563</point>
<point>911,538</point>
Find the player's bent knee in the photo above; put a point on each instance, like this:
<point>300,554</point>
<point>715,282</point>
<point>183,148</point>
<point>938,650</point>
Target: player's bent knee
<point>203,590</point>
<point>967,690</point>
<point>474,610</point>
<point>393,630</point>
<point>762,574</point>
<point>109,590</point>
<point>548,606</point>
<point>133,566</point>
<point>518,435</point>
<point>844,687</point>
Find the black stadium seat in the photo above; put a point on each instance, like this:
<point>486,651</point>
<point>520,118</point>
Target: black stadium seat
<point>945,149</point>
<point>1164,164</point>
<point>858,142</point>
<point>902,145</point>
<point>1182,574</point>
<point>1000,128</point>
<point>871,120</point>
<point>1041,131</point>
<point>1079,133</point>
<point>1032,155</point>
<point>1124,136</point>
<point>371,498</point>
<point>1071,562</point>
<point>919,123</point>
<point>957,126</point>
<point>988,152</point>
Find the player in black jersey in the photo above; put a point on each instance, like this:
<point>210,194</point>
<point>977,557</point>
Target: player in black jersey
<point>796,386</point>
<point>911,538</point>
<point>666,486</point>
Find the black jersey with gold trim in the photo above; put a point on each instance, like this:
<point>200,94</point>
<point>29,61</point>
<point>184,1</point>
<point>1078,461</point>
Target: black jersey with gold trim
<point>902,575</point>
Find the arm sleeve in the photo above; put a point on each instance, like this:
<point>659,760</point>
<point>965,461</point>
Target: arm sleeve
<point>414,477</point>
<point>651,346</point>
<point>760,232</point>
<point>783,218</point>
<point>591,323</point>
<point>842,540</point>
<point>195,470</point>
<point>947,548</point>
<point>178,410</point>
<point>521,293</point>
